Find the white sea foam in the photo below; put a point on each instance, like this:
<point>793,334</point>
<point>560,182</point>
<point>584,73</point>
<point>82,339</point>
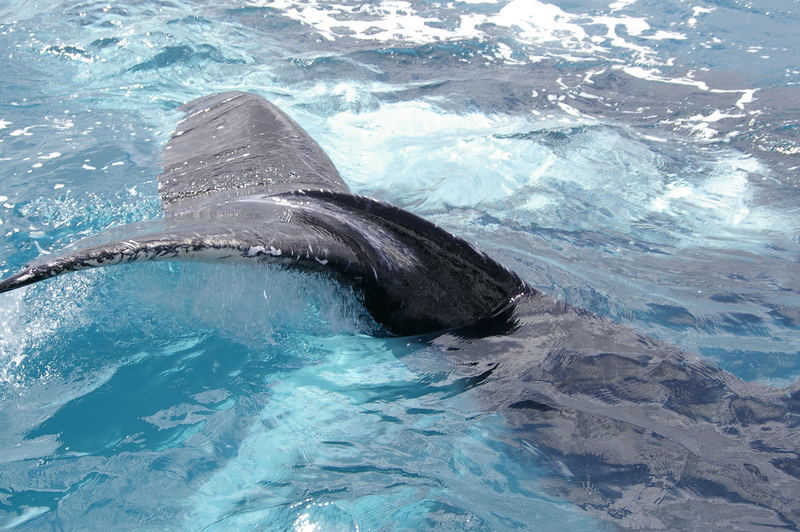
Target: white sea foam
<point>696,12</point>
<point>542,30</point>
<point>536,23</point>
<point>12,342</point>
<point>652,74</point>
<point>389,20</point>
<point>620,4</point>
<point>425,155</point>
<point>22,132</point>
<point>417,155</point>
<point>662,35</point>
<point>540,22</point>
<point>722,201</point>
<point>27,323</point>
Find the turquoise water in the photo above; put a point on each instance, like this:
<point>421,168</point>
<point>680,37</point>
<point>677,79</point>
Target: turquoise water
<point>636,159</point>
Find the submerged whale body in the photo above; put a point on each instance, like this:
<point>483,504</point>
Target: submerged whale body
<point>640,434</point>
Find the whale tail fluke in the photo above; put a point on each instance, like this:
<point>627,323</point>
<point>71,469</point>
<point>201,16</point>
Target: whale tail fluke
<point>24,278</point>
<point>243,181</point>
<point>236,143</point>
<point>414,276</point>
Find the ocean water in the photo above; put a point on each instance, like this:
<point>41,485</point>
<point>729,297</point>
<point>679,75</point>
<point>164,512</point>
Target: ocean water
<point>639,159</point>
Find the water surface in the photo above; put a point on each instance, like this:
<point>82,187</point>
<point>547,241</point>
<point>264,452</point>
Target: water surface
<point>639,160</point>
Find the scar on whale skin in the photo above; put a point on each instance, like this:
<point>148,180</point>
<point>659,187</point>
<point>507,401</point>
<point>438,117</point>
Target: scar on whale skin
<point>664,439</point>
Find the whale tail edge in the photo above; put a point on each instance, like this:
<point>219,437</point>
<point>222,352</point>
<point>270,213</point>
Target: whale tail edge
<point>414,276</point>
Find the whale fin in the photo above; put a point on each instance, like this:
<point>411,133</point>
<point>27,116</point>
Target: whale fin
<point>235,143</point>
<point>178,240</point>
<point>414,276</point>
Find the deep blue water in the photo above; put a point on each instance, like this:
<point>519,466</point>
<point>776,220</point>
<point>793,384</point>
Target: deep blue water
<point>638,159</point>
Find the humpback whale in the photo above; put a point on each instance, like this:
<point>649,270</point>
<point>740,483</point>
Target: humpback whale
<point>638,433</point>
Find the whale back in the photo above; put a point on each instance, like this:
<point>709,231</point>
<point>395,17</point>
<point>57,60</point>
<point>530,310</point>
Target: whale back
<point>235,143</point>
